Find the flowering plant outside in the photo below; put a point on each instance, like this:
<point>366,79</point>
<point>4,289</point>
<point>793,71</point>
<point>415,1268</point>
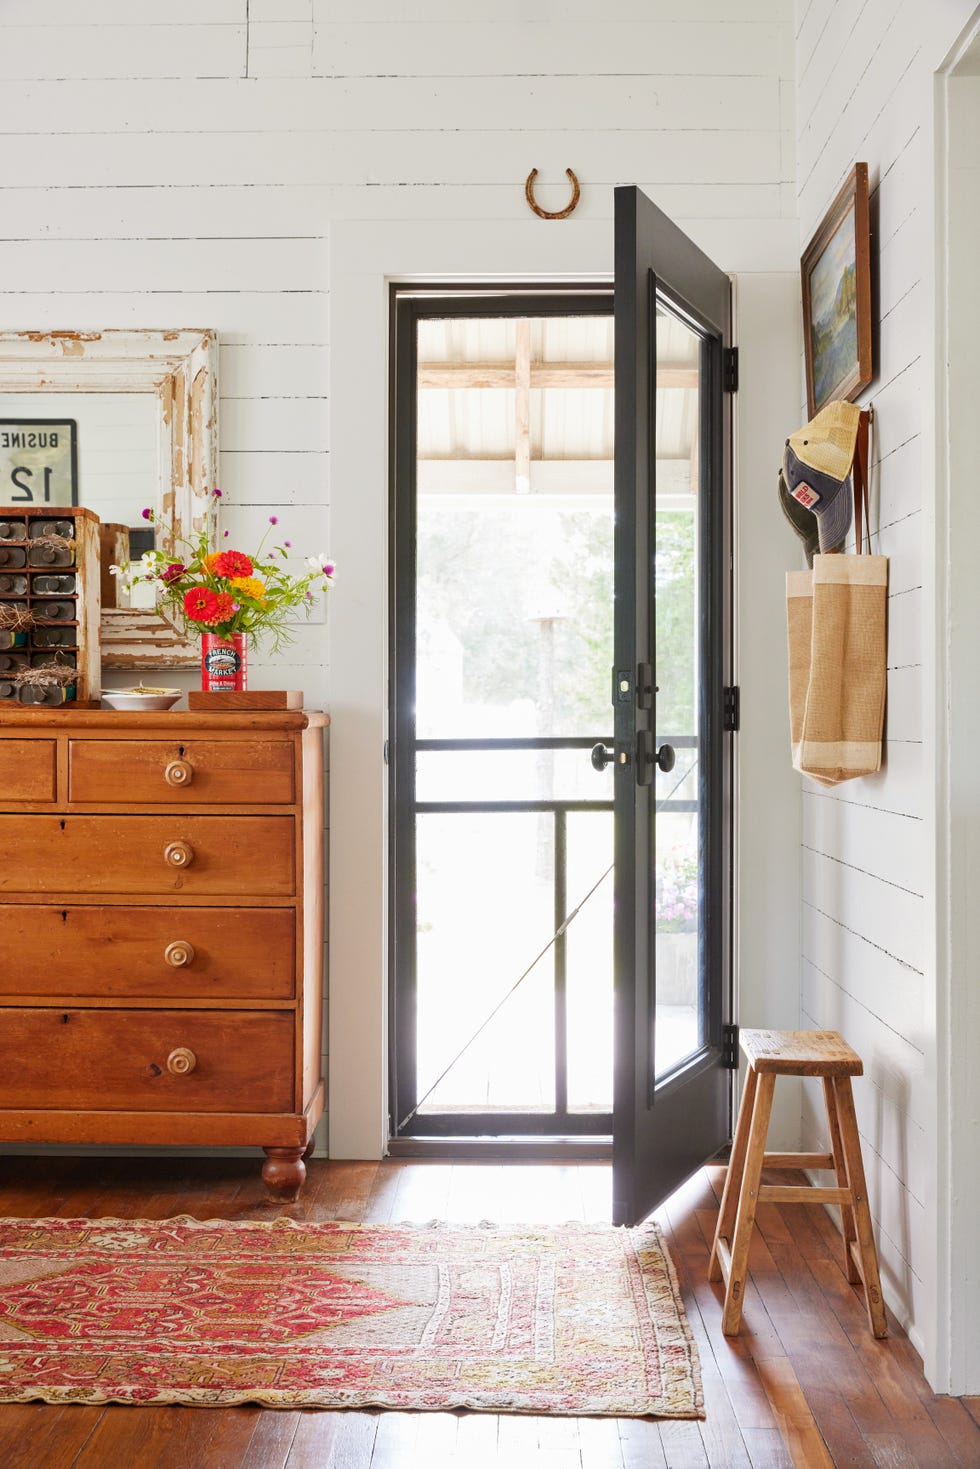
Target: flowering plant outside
<point>677,892</point>
<point>228,592</point>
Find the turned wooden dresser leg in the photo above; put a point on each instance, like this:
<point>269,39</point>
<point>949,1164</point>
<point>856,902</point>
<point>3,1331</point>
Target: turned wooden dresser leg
<point>308,1150</point>
<point>283,1174</point>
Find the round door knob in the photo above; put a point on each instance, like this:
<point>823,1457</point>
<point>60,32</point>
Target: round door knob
<point>601,756</point>
<point>181,1062</point>
<point>179,773</point>
<point>178,854</point>
<point>666,758</point>
<point>179,954</point>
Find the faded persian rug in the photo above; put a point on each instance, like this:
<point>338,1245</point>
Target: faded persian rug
<point>581,1319</point>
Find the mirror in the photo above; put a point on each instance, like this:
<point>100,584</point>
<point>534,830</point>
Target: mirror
<point>115,421</point>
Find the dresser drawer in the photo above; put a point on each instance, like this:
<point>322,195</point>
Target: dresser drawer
<point>27,770</point>
<point>130,952</point>
<point>147,1060</point>
<point>195,772</point>
<point>241,856</point>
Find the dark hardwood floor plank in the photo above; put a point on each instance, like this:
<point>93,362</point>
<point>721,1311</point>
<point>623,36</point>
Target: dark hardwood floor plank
<point>43,1433</point>
<point>380,1202</point>
<point>793,1416</point>
<point>735,1365</point>
<point>972,1406</point>
<point>354,1441</point>
<point>720,1434</point>
<point>165,1438</point>
<point>272,1438</point>
<point>343,1190</point>
<point>913,1445</point>
<point>314,1440</point>
<point>840,1433</point>
<point>960,1431</point>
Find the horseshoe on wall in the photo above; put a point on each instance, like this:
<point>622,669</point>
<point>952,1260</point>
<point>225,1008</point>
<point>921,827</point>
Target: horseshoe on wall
<point>545,213</point>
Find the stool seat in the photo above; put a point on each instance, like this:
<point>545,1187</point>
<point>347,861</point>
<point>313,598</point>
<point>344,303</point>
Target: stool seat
<point>800,1053</point>
<point>817,1053</point>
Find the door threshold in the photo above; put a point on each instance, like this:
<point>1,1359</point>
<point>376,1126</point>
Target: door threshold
<point>567,1150</point>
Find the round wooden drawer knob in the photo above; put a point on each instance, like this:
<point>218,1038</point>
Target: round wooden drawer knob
<point>181,1062</point>
<point>179,954</point>
<point>179,773</point>
<point>178,854</point>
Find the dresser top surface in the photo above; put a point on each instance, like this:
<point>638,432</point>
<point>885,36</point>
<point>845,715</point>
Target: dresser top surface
<point>26,720</point>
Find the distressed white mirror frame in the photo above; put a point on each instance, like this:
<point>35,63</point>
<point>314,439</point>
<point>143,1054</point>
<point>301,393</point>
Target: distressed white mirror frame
<point>180,367</point>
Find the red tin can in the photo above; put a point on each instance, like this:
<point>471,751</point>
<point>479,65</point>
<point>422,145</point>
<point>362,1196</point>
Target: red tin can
<point>224,662</point>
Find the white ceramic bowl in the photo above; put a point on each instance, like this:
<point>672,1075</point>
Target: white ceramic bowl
<point>141,698</point>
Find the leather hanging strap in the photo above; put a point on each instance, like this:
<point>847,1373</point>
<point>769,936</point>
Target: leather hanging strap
<point>859,479</point>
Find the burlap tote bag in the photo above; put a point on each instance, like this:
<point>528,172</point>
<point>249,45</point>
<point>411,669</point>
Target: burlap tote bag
<point>836,626</point>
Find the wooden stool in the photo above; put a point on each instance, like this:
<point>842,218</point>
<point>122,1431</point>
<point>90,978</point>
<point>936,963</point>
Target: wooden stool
<point>772,1053</point>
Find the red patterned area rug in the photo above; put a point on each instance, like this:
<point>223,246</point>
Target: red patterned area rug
<point>581,1319</point>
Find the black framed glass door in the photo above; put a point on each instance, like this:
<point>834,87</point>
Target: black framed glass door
<point>673,1084</point>
<point>519,721</point>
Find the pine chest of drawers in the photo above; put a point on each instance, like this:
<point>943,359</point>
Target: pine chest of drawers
<point>161,931</point>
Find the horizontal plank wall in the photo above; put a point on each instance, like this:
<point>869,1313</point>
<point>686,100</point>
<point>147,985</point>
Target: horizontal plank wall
<point>865,92</point>
<point>194,166</point>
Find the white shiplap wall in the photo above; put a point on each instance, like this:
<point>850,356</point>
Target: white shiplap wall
<point>184,166</point>
<point>865,92</point>
<point>217,163</point>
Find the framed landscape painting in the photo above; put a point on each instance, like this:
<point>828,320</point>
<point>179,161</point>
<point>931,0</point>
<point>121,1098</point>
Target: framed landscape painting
<point>836,271</point>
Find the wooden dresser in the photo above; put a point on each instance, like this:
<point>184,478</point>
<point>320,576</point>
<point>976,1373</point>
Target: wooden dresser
<point>161,931</point>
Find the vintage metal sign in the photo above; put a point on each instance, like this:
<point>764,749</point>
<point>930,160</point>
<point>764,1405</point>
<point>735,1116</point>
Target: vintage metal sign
<point>38,461</point>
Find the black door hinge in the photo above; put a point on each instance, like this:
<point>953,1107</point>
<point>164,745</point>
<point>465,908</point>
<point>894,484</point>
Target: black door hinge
<point>730,369</point>
<point>729,1047</point>
<point>731,709</point>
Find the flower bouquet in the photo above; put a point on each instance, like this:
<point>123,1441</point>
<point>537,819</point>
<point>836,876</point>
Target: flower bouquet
<point>227,596</point>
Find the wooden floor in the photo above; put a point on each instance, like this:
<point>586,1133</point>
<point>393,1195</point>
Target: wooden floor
<point>805,1383</point>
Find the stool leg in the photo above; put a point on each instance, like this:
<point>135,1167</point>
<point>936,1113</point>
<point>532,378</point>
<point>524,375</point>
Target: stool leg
<point>851,1144</point>
<point>748,1198</point>
<point>733,1178</point>
<point>840,1169</point>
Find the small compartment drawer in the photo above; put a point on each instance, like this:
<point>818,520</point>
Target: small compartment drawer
<point>240,856</point>
<point>147,1060</point>
<point>130,952</point>
<point>27,770</point>
<point>195,772</point>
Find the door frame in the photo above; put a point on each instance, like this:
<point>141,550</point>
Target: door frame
<point>365,256</point>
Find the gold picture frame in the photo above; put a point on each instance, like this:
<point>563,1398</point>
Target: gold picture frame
<point>836,278</point>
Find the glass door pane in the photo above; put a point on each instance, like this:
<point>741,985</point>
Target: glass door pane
<point>680,1022</point>
<point>508,633</point>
